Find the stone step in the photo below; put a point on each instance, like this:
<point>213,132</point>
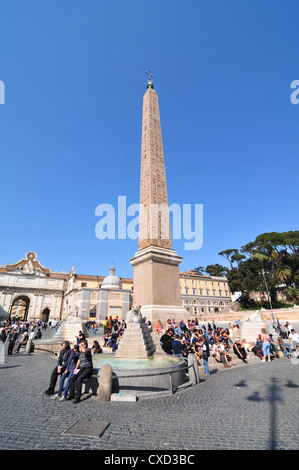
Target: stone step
<point>140,331</point>
<point>135,349</point>
<point>136,342</point>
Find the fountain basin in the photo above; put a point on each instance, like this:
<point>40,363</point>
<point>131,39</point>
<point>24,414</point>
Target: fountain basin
<point>140,376</point>
<point>125,363</point>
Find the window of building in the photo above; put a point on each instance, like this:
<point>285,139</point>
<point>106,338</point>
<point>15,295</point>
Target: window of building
<point>200,291</point>
<point>194,291</point>
<point>114,311</point>
<point>83,284</point>
<point>186,290</point>
<point>214,292</point>
<point>115,296</point>
<point>220,293</point>
<point>208,292</point>
<point>93,312</point>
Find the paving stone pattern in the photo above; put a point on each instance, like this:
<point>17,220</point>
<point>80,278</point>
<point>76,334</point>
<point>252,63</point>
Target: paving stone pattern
<point>253,407</point>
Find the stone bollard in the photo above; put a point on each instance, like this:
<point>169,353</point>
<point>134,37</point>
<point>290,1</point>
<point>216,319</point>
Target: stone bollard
<point>2,353</point>
<point>28,346</point>
<point>193,371</point>
<point>105,383</point>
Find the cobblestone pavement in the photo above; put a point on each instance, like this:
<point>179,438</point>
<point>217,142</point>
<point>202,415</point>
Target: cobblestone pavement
<point>252,407</point>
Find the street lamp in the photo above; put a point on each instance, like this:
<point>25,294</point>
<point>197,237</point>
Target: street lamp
<point>268,294</point>
<point>269,297</point>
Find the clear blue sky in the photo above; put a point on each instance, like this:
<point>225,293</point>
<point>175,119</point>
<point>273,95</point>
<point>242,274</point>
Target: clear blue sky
<point>74,75</point>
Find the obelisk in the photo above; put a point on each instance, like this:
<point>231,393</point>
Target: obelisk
<point>156,273</point>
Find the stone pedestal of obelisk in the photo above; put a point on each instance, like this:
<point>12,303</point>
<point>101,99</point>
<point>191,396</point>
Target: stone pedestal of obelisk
<point>156,273</point>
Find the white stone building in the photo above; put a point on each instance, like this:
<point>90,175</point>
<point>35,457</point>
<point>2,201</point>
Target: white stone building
<point>30,291</point>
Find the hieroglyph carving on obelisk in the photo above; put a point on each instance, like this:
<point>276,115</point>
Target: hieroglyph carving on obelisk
<point>154,223</point>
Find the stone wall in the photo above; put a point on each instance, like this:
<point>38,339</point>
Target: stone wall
<point>280,313</point>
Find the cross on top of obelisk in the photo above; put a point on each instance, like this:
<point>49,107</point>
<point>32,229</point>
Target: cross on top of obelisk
<point>150,83</point>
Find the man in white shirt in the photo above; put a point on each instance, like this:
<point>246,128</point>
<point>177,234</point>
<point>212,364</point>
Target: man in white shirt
<point>294,337</point>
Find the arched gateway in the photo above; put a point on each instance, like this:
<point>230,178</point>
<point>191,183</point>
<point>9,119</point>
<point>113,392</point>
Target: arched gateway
<point>19,308</point>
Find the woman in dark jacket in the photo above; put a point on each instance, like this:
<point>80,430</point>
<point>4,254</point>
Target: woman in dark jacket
<point>82,371</point>
<point>63,358</point>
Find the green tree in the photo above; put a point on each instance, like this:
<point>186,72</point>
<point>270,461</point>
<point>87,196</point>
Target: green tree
<point>238,258</point>
<point>283,274</point>
<point>199,270</point>
<point>227,254</point>
<point>235,280</point>
<point>293,294</point>
<point>291,240</point>
<point>248,249</point>
<point>216,270</point>
<point>271,260</point>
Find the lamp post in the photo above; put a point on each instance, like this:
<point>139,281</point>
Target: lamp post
<point>268,294</point>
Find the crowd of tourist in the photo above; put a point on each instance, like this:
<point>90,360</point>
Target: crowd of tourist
<point>288,340</point>
<point>185,338</point>
<point>224,344</point>
<point>16,333</point>
<point>113,332</point>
